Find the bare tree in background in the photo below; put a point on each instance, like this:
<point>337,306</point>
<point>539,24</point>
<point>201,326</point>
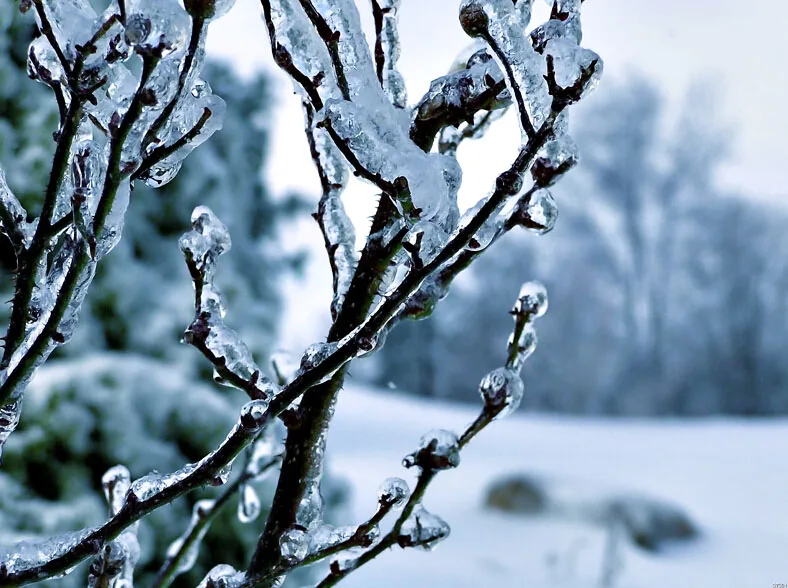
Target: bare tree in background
<point>132,106</point>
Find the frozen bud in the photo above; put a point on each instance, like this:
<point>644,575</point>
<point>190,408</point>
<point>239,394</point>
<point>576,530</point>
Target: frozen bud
<point>532,300</point>
<point>294,544</point>
<point>438,450</point>
<point>537,212</point>
<point>509,182</point>
<point>208,238</point>
<point>116,483</point>
<point>253,414</point>
<point>558,157</point>
<point>501,391</point>
<point>473,18</point>
<point>393,492</point>
<point>157,27</point>
<point>221,576</point>
<point>207,9</point>
<point>249,505</point>
<point>423,529</point>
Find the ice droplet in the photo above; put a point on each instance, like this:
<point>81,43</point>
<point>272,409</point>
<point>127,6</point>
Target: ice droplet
<point>249,505</point>
<point>116,483</point>
<point>294,544</point>
<point>532,300</point>
<point>394,492</point>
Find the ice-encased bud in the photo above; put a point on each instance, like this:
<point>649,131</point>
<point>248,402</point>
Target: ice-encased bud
<point>116,483</point>
<point>423,529</point>
<point>222,576</point>
<point>438,450</point>
<point>208,238</point>
<point>541,212</point>
<point>162,174</point>
<point>556,158</point>
<point>9,419</point>
<point>294,544</point>
<point>249,505</point>
<point>157,27</point>
<point>393,492</point>
<point>473,18</point>
<point>570,61</point>
<point>501,391</point>
<point>208,9</point>
<point>532,300</point>
<point>253,414</point>
<point>42,62</point>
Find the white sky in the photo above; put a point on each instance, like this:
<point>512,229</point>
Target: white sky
<point>736,47</point>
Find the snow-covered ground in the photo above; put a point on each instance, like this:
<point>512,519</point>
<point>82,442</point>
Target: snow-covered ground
<point>731,476</point>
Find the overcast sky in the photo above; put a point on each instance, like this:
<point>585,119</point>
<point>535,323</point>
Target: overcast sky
<point>734,47</point>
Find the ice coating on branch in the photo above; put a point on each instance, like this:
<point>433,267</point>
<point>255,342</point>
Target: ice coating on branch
<point>438,450</point>
<point>187,546</point>
<point>300,45</point>
<point>71,22</point>
<point>222,576</point>
<point>570,61</point>
<point>116,483</point>
<point>43,64</point>
<point>393,492</point>
<point>28,554</point>
<point>249,505</point>
<point>326,536</point>
<point>9,419</point>
<point>499,23</point>
<point>393,82</point>
<point>314,355</point>
<point>202,247</point>
<point>485,234</point>
<point>423,530</point>
<point>501,390</point>
<point>294,544</point>
<point>253,414</point>
<point>14,216</point>
<point>382,147</point>
<point>523,347</point>
<point>148,486</point>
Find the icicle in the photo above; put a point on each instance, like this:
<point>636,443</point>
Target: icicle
<point>249,506</point>
<point>438,450</point>
<point>201,510</point>
<point>116,483</point>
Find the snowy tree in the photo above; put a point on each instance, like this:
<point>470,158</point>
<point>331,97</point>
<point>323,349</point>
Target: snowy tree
<point>133,105</point>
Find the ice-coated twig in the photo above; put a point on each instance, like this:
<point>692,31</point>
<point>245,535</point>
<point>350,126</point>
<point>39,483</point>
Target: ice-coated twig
<point>146,495</point>
<point>221,345</point>
<point>339,234</point>
<point>387,50</point>
<point>13,217</point>
<point>501,391</point>
<point>182,554</point>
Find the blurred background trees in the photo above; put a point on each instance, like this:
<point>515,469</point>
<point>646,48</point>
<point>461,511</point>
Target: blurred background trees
<point>666,291</point>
